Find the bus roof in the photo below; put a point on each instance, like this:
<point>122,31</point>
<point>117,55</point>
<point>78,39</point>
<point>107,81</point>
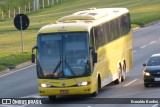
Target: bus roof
<point>83,20</point>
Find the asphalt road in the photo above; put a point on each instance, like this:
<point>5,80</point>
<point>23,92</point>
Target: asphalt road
<point>146,41</point>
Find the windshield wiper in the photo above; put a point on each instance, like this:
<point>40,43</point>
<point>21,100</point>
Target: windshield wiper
<point>70,68</point>
<point>59,63</point>
<point>55,69</point>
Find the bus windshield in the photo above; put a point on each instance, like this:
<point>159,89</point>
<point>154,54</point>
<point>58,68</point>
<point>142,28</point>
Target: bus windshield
<point>62,55</point>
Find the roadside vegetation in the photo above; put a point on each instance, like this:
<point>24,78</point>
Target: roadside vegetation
<point>142,12</point>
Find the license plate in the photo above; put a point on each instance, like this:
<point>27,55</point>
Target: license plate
<point>156,79</point>
<point>64,92</point>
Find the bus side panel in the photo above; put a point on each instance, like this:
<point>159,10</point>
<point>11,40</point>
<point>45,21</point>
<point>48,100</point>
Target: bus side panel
<point>129,53</point>
<point>110,55</point>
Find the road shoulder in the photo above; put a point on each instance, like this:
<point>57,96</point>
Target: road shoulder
<point>22,65</point>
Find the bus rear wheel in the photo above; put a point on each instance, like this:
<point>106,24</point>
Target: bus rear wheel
<point>124,73</point>
<point>119,79</point>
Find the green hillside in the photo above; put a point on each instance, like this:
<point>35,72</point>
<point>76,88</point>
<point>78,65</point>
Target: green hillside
<point>142,12</point>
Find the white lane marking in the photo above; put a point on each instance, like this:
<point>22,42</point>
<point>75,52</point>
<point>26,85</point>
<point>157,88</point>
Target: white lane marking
<point>159,38</point>
<point>143,46</point>
<point>156,105</point>
<point>152,42</point>
<point>130,82</point>
<point>17,70</point>
<point>32,96</point>
<point>134,51</point>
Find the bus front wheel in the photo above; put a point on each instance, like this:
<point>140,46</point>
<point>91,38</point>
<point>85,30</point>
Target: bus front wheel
<point>146,84</point>
<point>96,92</point>
<point>52,97</point>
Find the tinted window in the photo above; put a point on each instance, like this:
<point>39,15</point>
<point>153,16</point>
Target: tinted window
<point>154,61</point>
<point>99,35</point>
<point>111,30</point>
<point>62,55</point>
<point>125,24</point>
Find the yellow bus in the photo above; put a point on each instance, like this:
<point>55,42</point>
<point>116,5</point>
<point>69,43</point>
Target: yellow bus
<point>83,52</point>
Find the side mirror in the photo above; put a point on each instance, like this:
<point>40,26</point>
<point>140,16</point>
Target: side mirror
<point>144,65</point>
<point>33,58</point>
<point>35,47</point>
<point>94,57</point>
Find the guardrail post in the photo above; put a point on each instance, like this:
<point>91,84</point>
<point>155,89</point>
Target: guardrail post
<point>52,2</point>
<point>48,2</point>
<point>29,6</point>
<point>14,12</point>
<point>25,9</point>
<point>34,7</point>
<point>19,10</point>
<point>2,15</point>
<point>9,14</point>
<point>43,4</point>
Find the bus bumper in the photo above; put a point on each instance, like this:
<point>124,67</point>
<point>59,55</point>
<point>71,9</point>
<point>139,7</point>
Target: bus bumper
<point>65,91</point>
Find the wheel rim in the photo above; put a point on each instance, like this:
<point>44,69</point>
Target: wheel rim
<point>124,73</point>
<point>120,77</point>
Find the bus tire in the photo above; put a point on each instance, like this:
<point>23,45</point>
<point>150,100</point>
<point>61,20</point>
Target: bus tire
<point>52,97</point>
<point>146,85</point>
<point>124,72</point>
<point>94,94</point>
<point>119,79</point>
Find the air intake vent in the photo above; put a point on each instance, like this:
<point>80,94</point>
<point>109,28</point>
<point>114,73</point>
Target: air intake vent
<point>76,17</point>
<point>85,15</point>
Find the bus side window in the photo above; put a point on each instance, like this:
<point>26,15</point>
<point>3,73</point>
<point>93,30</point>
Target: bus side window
<point>106,32</point>
<point>117,28</point>
<point>128,22</point>
<point>96,32</point>
<point>125,24</point>
<point>112,30</point>
<point>92,38</point>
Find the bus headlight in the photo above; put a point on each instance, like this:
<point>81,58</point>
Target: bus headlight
<point>45,85</point>
<point>146,73</point>
<point>83,83</point>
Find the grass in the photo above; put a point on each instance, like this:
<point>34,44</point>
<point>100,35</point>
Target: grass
<point>12,59</point>
<point>7,5</point>
<point>142,12</point>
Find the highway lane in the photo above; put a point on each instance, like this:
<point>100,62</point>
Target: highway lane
<point>19,84</point>
<point>146,41</point>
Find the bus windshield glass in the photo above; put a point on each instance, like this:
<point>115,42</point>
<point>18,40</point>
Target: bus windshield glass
<point>63,55</point>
